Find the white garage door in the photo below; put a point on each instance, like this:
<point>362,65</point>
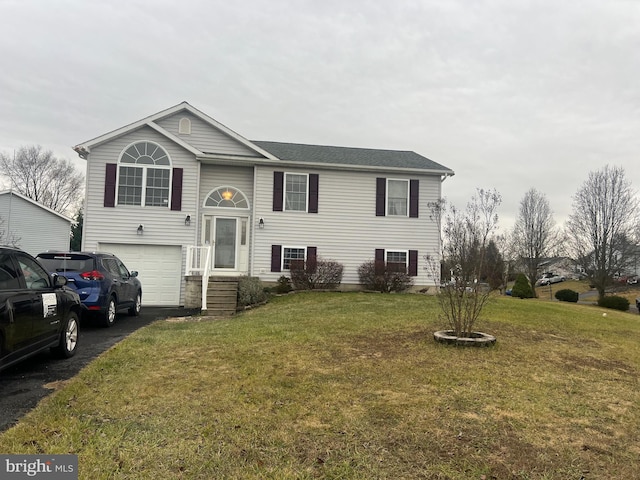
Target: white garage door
<point>159,270</point>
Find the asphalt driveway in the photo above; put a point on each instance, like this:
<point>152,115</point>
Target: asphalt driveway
<point>25,384</point>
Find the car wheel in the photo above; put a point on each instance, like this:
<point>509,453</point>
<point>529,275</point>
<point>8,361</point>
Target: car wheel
<point>134,311</point>
<point>109,316</point>
<point>68,343</point>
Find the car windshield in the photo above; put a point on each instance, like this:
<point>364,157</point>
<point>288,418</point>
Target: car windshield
<point>66,263</point>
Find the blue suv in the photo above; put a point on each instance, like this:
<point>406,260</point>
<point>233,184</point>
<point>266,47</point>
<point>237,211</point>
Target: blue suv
<point>104,284</point>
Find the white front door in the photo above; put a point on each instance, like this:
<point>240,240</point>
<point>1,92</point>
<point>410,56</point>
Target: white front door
<point>229,237</point>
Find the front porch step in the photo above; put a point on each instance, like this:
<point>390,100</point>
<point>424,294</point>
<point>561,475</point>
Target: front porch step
<point>222,296</point>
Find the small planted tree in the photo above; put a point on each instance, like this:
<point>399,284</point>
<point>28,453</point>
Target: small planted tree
<point>522,287</point>
<point>465,253</point>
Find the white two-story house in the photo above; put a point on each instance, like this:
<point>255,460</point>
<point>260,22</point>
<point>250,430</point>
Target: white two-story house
<point>179,180</point>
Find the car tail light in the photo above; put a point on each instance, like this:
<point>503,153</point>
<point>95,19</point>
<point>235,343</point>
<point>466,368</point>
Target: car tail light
<point>92,275</point>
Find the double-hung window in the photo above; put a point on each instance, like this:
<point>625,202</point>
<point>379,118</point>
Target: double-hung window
<point>396,260</point>
<point>144,176</point>
<point>397,197</point>
<point>295,195</point>
<point>290,254</point>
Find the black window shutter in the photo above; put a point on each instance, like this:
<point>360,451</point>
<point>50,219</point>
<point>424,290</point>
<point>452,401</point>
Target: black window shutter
<point>381,196</point>
<point>413,198</point>
<point>176,189</point>
<point>276,258</point>
<point>278,191</point>
<point>110,185</point>
<point>313,193</point>
<point>312,259</point>
<point>379,265</point>
<point>312,254</point>
<point>413,263</point>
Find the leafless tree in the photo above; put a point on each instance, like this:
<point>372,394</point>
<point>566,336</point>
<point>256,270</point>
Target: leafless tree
<point>50,181</point>
<point>466,237</point>
<point>534,234</point>
<point>603,222</point>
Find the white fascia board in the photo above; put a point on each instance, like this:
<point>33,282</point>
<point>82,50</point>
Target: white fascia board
<point>83,149</point>
<point>130,127</point>
<point>173,138</point>
<point>239,138</point>
<point>209,158</point>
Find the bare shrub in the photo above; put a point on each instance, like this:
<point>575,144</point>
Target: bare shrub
<point>383,277</point>
<point>316,274</point>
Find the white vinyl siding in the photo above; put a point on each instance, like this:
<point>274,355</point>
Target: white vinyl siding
<point>349,232</point>
<point>205,137</point>
<point>27,222</point>
<point>118,225</point>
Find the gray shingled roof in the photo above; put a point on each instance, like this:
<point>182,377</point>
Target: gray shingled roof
<point>350,156</point>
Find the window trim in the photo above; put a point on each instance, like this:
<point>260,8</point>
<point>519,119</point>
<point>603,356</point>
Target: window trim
<point>231,188</point>
<point>284,192</point>
<point>282,256</point>
<point>386,203</point>
<point>145,167</point>
<point>406,254</point>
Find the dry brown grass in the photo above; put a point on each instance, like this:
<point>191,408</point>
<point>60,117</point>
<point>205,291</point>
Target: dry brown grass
<point>353,386</point>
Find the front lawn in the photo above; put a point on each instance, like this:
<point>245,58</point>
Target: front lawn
<point>352,386</point>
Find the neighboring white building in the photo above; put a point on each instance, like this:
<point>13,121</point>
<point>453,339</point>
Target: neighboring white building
<point>31,226</point>
<point>178,179</point>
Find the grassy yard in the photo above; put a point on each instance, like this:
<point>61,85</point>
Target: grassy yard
<point>352,386</point>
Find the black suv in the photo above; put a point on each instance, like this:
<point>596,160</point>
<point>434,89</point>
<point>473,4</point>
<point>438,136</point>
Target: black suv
<point>37,311</point>
<point>104,284</point>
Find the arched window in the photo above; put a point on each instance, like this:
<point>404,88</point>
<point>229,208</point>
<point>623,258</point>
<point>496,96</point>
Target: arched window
<point>228,197</point>
<point>144,175</point>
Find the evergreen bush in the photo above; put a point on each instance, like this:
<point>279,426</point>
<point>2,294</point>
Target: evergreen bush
<point>567,295</point>
<point>283,285</point>
<point>522,287</point>
<point>614,302</point>
<point>250,291</point>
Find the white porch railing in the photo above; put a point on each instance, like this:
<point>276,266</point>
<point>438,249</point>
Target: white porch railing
<point>199,263</point>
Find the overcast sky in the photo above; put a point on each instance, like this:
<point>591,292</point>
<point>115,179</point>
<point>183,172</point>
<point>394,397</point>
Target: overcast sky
<point>510,94</point>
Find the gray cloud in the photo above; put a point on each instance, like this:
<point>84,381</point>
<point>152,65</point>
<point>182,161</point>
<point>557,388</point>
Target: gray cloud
<point>511,95</point>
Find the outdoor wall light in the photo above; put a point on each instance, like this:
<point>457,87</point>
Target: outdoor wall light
<point>140,229</point>
<point>261,223</point>
<point>187,220</point>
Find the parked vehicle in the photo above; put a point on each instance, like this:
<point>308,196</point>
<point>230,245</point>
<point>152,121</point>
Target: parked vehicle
<point>632,280</point>
<point>550,278</point>
<point>103,282</point>
<point>37,310</point>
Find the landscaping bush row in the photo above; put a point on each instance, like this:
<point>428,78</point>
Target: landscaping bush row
<point>614,302</point>
<point>567,295</point>
<point>320,274</point>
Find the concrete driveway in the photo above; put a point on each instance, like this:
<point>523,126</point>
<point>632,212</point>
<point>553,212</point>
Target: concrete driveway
<point>23,385</point>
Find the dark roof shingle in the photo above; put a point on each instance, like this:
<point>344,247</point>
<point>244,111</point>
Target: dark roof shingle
<point>350,156</point>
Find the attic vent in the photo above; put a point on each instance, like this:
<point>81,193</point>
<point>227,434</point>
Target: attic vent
<point>184,127</point>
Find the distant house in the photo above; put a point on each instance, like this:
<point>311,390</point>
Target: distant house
<point>31,226</point>
<point>162,188</point>
<point>561,266</point>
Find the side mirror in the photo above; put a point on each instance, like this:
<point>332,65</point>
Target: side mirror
<point>59,280</point>
<point>134,273</point>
